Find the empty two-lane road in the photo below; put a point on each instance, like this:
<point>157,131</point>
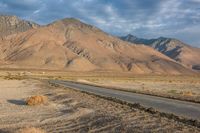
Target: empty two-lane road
<point>180,108</point>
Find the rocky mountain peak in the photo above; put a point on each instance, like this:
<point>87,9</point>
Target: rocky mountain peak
<point>12,24</point>
<point>129,37</point>
<point>12,20</point>
<point>72,23</point>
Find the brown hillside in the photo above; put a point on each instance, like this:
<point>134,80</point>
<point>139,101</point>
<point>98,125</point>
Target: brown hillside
<point>69,44</point>
<point>173,48</point>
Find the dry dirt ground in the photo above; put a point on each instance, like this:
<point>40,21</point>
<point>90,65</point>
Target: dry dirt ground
<point>73,111</point>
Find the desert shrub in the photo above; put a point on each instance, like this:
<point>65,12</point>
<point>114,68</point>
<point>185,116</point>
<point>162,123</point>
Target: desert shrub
<point>30,130</point>
<point>187,93</point>
<point>9,76</point>
<point>172,91</point>
<point>36,100</point>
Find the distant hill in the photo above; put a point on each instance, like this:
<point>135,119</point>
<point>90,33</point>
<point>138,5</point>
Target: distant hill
<point>12,24</point>
<point>173,48</point>
<point>72,45</point>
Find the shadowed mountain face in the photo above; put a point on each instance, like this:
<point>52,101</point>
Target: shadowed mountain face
<point>173,48</point>
<point>12,24</point>
<point>71,45</point>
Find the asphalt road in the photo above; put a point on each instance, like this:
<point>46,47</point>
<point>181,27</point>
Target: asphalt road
<point>179,108</point>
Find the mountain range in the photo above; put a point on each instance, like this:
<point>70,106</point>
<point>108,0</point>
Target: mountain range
<point>72,45</point>
<point>173,48</point>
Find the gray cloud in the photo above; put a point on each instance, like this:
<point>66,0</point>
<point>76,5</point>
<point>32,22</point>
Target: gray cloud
<point>144,18</point>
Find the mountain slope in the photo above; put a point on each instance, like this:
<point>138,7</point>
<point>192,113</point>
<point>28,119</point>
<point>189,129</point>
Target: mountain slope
<point>173,48</point>
<point>71,45</point>
<point>12,24</point>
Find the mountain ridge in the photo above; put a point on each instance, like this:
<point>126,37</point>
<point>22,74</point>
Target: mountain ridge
<point>72,45</point>
<point>12,24</point>
<point>171,47</point>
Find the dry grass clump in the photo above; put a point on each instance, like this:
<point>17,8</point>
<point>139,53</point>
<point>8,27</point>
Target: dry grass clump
<point>36,100</point>
<point>172,91</point>
<point>18,76</point>
<point>187,93</point>
<point>31,130</point>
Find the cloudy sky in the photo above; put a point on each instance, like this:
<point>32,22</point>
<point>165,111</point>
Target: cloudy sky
<point>143,18</point>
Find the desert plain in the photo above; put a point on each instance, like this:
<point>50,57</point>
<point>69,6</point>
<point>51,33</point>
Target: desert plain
<point>69,110</point>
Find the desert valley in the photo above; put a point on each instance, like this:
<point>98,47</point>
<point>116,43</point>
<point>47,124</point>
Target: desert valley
<point>70,76</point>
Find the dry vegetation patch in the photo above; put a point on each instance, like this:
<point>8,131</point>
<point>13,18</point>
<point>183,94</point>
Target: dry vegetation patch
<point>17,76</point>
<point>36,100</point>
<point>187,93</point>
<point>31,130</point>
